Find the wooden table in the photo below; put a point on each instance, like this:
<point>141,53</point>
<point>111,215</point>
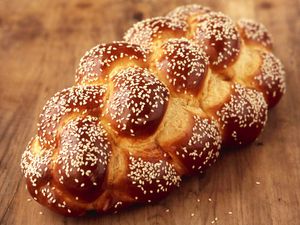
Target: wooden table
<point>40,45</point>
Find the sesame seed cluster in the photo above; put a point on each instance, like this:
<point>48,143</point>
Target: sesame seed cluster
<point>151,178</point>
<point>74,100</point>
<point>183,64</point>
<point>242,116</point>
<point>202,146</point>
<point>98,144</point>
<point>254,32</point>
<point>217,34</point>
<point>138,102</point>
<point>271,78</point>
<point>83,157</point>
<point>145,33</point>
<point>94,65</point>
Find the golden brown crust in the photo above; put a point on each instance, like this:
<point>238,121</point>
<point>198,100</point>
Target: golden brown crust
<point>150,110</point>
<point>80,165</point>
<point>217,34</point>
<point>97,63</point>
<point>255,33</point>
<point>270,79</point>
<point>183,65</point>
<point>37,168</point>
<point>138,102</point>
<point>75,100</point>
<point>147,32</point>
<point>151,178</point>
<point>199,147</point>
<point>242,117</point>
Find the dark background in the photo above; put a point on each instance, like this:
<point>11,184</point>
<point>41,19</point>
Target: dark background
<point>41,43</point>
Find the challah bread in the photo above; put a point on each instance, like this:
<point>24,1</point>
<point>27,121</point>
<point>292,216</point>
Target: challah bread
<point>148,110</point>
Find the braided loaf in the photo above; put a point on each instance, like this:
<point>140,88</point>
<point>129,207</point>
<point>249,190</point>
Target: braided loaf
<point>148,110</point>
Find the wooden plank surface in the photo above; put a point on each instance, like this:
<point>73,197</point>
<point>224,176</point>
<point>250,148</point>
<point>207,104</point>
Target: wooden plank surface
<point>40,45</point>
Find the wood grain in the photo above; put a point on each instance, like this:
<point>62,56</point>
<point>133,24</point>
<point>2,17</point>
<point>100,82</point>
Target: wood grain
<point>40,45</point>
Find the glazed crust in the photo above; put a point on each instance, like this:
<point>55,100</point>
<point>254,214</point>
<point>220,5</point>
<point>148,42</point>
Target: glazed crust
<point>183,66</point>
<point>96,65</point>
<point>217,34</point>
<point>138,102</point>
<point>151,109</point>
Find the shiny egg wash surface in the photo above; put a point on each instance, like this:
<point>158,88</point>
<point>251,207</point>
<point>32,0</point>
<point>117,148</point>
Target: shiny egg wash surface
<point>146,111</point>
<point>95,65</point>
<point>138,102</point>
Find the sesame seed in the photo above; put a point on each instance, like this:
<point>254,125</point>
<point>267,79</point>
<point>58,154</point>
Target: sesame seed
<point>206,132</point>
<point>184,64</point>
<point>255,32</point>
<point>271,76</point>
<point>219,34</point>
<point>142,173</point>
<point>97,60</point>
<point>145,32</point>
<point>138,99</point>
<point>246,107</point>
